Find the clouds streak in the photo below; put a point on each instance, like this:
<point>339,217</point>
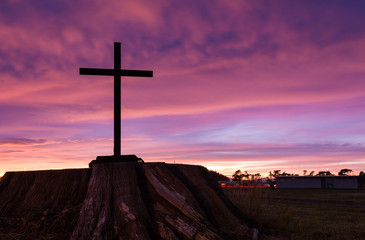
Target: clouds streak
<point>225,73</point>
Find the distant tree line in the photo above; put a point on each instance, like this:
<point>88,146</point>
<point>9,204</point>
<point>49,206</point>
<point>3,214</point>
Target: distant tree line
<point>342,172</point>
<point>242,176</point>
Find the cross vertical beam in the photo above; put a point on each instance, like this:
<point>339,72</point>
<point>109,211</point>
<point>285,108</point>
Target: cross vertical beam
<point>117,72</point>
<point>117,100</point>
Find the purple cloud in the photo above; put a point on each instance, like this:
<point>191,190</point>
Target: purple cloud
<point>22,141</point>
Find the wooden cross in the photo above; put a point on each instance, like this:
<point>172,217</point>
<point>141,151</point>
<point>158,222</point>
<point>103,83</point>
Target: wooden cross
<point>117,72</point>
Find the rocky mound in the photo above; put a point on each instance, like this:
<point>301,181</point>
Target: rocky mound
<point>117,201</point>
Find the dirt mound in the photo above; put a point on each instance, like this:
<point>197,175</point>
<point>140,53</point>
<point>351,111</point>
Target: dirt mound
<point>117,201</point>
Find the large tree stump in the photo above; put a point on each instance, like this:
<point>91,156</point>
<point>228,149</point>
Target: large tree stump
<point>118,201</point>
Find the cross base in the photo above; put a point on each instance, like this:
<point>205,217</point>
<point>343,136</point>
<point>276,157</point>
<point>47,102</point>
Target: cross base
<point>116,158</point>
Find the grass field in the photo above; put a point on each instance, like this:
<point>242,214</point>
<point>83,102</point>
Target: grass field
<point>303,213</point>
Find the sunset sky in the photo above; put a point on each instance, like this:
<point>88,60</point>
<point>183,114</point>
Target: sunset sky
<point>250,85</point>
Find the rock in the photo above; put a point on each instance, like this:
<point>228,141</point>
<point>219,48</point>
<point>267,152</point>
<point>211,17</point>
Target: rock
<point>130,200</point>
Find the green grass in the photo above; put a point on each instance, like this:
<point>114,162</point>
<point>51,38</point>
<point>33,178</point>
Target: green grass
<point>303,213</point>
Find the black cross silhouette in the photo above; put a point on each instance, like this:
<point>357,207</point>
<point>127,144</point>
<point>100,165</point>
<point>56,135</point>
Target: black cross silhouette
<point>117,72</point>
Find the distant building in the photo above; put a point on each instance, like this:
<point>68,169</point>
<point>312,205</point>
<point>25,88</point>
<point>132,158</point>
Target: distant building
<point>362,181</point>
<point>324,182</point>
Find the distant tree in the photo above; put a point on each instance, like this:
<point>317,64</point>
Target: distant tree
<point>246,176</point>
<point>344,171</point>
<point>286,174</point>
<point>361,173</point>
<point>311,173</point>
<point>271,175</point>
<point>304,172</point>
<point>324,173</point>
<point>255,176</point>
<point>277,173</point>
<point>237,175</point>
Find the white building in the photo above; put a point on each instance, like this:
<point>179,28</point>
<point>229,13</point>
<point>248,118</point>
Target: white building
<point>343,182</point>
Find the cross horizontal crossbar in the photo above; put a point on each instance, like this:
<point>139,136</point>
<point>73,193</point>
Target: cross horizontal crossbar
<point>117,73</point>
<point>112,72</point>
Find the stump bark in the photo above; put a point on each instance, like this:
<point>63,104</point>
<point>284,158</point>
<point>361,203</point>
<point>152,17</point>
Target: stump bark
<point>118,201</point>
